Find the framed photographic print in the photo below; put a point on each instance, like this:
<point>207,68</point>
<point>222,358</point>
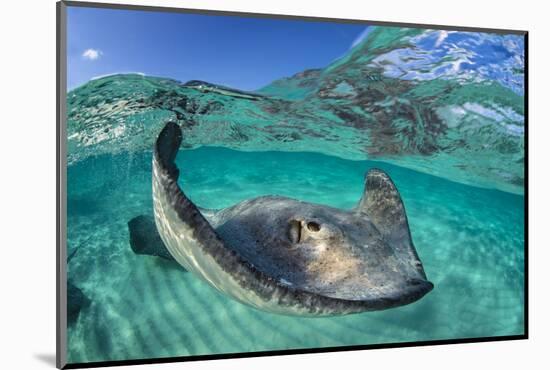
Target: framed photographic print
<point>235,184</point>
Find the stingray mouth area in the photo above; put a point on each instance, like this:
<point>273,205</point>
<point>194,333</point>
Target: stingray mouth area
<point>328,271</point>
<point>335,288</point>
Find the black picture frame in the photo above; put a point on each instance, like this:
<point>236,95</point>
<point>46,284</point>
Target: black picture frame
<point>61,190</point>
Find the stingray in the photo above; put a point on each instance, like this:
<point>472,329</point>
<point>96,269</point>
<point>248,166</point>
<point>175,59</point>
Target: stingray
<point>288,256</point>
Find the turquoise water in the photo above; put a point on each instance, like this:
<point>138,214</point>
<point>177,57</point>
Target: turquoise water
<point>470,240</point>
<point>441,112</point>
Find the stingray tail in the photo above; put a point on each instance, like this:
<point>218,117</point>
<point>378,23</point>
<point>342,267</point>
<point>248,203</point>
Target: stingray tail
<point>166,148</point>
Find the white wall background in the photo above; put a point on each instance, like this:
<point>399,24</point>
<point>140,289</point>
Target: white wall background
<point>27,145</point>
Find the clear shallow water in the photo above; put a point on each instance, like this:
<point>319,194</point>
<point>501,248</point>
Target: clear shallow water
<point>469,239</point>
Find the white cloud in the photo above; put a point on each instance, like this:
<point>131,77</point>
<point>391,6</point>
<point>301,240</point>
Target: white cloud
<point>92,54</point>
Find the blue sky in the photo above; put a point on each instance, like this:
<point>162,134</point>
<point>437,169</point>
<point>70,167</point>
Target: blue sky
<point>241,52</point>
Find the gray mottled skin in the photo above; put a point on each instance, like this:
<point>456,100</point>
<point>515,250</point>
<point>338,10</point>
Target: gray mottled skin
<point>291,257</point>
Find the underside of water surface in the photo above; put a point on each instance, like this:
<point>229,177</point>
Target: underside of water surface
<point>452,107</point>
<point>442,114</point>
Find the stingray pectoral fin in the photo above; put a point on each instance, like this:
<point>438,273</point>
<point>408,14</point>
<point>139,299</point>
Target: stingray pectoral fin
<point>145,239</point>
<point>382,203</point>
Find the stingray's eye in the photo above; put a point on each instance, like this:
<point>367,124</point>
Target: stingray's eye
<point>313,226</point>
<point>294,231</point>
